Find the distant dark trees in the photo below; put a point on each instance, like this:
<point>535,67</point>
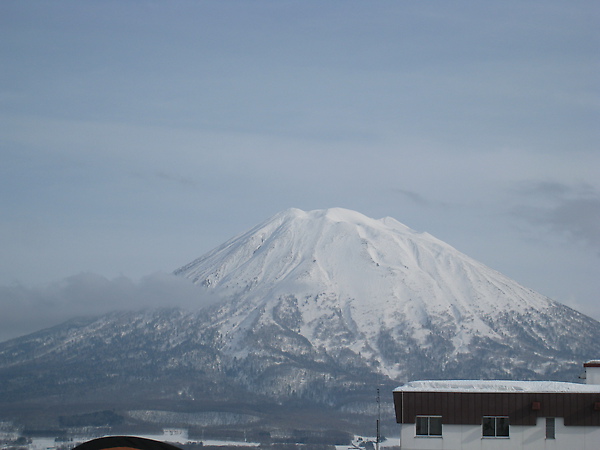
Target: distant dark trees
<point>93,419</point>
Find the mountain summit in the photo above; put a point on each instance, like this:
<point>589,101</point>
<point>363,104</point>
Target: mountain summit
<point>387,297</point>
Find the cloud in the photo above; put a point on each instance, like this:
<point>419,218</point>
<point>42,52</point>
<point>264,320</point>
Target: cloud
<point>183,181</point>
<point>28,309</point>
<point>418,199</point>
<point>573,211</point>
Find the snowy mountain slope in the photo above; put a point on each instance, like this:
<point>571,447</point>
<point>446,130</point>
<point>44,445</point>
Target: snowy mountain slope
<point>316,309</point>
<point>381,291</point>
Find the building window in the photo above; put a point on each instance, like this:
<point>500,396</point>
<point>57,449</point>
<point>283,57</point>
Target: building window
<point>550,428</point>
<point>495,426</point>
<point>429,425</point>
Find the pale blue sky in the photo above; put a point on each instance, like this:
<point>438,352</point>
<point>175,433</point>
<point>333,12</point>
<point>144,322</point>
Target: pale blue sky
<point>137,135</point>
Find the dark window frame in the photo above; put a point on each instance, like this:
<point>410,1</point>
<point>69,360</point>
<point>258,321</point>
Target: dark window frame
<point>428,426</point>
<point>495,427</point>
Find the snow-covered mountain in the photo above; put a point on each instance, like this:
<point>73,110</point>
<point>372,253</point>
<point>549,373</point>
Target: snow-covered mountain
<point>399,301</point>
<point>316,308</point>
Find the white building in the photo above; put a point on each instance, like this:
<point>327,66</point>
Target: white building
<point>515,415</point>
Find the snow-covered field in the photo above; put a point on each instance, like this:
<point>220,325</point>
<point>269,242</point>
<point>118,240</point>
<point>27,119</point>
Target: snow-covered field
<point>180,436</point>
<point>175,436</point>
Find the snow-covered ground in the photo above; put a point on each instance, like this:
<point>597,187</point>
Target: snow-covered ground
<point>359,443</point>
<point>180,436</point>
<point>172,435</point>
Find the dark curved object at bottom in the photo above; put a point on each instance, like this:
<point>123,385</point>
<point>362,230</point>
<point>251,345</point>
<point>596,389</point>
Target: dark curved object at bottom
<point>125,443</point>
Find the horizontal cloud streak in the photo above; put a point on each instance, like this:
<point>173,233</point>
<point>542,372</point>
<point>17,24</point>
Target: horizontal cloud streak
<point>28,309</point>
<point>573,211</point>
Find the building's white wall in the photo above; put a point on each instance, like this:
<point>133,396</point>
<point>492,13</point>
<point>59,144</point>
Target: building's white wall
<point>592,375</point>
<point>468,437</point>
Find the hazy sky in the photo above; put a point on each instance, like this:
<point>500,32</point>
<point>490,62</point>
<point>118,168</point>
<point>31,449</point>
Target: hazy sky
<point>137,135</point>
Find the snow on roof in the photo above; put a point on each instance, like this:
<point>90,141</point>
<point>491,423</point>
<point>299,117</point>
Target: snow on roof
<point>496,386</point>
